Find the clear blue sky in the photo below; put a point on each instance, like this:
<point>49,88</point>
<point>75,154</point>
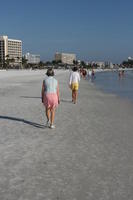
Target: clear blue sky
<point>97,30</point>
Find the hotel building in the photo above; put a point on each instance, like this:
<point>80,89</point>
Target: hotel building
<point>32,59</point>
<point>65,58</point>
<point>10,49</point>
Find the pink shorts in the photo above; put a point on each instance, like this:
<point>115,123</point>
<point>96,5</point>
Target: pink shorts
<point>50,100</point>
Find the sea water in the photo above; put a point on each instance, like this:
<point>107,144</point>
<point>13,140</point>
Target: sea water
<point>111,82</point>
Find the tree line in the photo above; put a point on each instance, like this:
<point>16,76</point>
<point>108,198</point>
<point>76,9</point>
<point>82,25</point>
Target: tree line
<point>8,63</point>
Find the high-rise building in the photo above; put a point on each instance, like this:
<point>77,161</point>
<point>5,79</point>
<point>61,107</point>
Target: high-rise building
<point>65,58</point>
<point>10,49</point>
<point>32,59</point>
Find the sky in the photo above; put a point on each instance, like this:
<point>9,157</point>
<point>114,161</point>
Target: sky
<point>95,30</point>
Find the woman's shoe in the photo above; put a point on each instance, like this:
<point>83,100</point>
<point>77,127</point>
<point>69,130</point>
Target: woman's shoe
<point>52,126</point>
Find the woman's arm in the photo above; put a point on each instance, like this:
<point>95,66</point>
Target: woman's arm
<point>58,94</point>
<point>42,93</point>
<point>70,79</point>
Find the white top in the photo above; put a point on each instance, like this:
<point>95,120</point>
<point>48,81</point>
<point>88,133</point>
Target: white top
<point>90,73</point>
<point>74,78</point>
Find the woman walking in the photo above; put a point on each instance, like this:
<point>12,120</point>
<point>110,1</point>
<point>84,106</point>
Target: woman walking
<point>74,83</point>
<point>50,97</point>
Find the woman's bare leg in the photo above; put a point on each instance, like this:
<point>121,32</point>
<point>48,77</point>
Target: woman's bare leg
<point>75,96</point>
<point>72,95</point>
<point>48,113</point>
<point>52,115</point>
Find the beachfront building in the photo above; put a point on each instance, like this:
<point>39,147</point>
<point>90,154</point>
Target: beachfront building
<point>130,59</point>
<point>100,64</point>
<point>32,59</point>
<point>109,64</point>
<point>65,58</point>
<point>11,50</point>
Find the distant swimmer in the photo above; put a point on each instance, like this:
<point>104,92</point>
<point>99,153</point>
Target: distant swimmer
<point>121,73</point>
<point>93,73</point>
<point>84,73</point>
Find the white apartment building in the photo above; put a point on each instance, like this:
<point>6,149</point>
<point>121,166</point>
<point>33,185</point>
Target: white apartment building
<point>11,49</point>
<point>32,59</point>
<point>100,64</point>
<point>130,58</point>
<point>65,58</point>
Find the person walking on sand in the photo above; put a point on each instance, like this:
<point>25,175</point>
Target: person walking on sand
<point>74,80</point>
<point>50,97</point>
<point>93,73</point>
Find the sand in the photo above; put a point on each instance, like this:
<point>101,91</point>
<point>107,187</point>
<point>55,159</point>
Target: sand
<point>88,156</point>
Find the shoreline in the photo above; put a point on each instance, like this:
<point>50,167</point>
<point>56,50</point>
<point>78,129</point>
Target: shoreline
<point>113,70</point>
<point>113,84</point>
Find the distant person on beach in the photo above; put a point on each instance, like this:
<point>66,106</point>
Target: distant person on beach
<point>93,73</point>
<point>121,74</point>
<point>74,80</point>
<point>84,73</point>
<point>81,72</point>
<point>89,74</point>
<point>50,96</point>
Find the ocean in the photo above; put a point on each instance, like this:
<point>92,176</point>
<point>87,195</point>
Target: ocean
<point>110,82</point>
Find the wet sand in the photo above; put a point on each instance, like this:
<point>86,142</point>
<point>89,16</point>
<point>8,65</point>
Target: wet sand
<point>87,157</point>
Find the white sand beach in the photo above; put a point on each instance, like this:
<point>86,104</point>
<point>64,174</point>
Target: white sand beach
<point>88,156</point>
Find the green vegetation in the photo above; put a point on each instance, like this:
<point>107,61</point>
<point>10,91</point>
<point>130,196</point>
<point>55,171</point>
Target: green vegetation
<point>8,63</point>
<point>128,64</point>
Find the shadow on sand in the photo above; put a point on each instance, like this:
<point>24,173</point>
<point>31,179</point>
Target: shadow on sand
<point>62,100</point>
<point>66,100</point>
<point>27,97</point>
<point>23,120</point>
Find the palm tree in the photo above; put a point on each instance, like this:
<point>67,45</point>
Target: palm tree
<point>41,64</point>
<point>83,63</point>
<point>6,61</point>
<point>54,62</point>
<point>24,61</point>
<point>19,59</point>
<point>75,62</point>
